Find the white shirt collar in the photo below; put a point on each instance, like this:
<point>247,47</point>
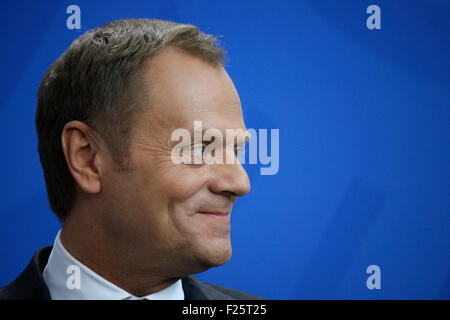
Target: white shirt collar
<point>61,276</point>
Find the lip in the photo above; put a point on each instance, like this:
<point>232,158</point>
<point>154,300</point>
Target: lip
<point>220,215</point>
<point>215,213</point>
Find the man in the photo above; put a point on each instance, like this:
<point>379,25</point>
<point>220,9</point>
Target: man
<point>135,224</point>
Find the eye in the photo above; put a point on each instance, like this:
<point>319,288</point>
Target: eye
<point>198,150</point>
<point>238,150</point>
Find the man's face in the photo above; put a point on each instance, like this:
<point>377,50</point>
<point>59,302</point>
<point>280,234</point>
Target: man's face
<point>178,214</point>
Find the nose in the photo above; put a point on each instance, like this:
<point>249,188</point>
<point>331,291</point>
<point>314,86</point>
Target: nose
<point>230,178</point>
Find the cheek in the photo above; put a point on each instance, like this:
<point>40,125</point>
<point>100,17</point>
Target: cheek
<point>182,183</point>
<point>158,176</point>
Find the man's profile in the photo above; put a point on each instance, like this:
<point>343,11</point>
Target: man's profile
<point>135,225</point>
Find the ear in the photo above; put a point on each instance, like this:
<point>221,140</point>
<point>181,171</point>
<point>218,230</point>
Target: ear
<point>81,148</point>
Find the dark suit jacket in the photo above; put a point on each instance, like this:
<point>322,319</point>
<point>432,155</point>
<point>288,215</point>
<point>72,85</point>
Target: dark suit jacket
<point>30,285</point>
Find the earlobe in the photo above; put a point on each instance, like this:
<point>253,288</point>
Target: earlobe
<point>81,152</point>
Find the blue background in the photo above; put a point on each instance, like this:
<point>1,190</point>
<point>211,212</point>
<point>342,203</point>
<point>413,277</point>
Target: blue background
<point>364,121</point>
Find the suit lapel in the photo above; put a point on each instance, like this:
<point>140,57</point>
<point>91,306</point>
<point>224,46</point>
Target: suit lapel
<point>30,284</point>
<point>195,289</point>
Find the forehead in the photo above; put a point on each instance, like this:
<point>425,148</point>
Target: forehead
<point>183,88</point>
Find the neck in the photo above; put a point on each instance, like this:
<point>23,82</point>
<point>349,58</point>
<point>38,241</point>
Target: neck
<point>116,262</point>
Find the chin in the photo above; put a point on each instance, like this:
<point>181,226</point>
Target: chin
<point>215,255</point>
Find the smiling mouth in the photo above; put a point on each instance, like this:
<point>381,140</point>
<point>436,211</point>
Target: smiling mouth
<point>215,213</point>
<point>220,215</point>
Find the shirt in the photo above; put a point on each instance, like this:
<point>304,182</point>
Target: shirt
<point>69,279</point>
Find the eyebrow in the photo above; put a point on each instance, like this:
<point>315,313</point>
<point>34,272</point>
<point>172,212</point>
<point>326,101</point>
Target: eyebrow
<point>246,133</point>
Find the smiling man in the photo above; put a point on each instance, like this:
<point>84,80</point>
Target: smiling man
<point>135,224</point>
